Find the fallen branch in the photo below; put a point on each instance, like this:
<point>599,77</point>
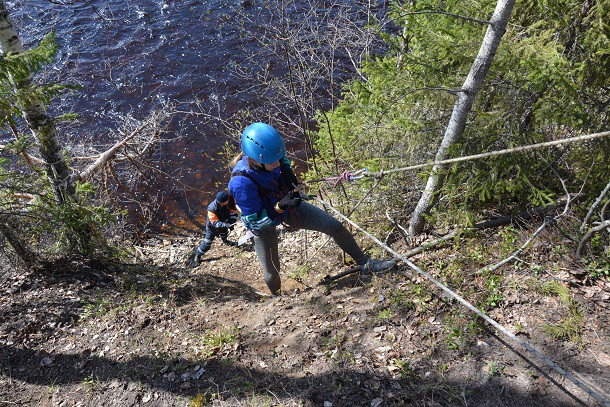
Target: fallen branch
<point>107,155</point>
<point>589,235</point>
<point>520,250</point>
<point>522,216</point>
<point>567,201</point>
<point>426,246</point>
<point>592,208</point>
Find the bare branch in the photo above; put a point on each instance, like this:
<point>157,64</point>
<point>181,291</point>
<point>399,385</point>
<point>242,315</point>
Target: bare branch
<point>592,208</point>
<point>589,235</point>
<point>604,210</point>
<point>547,222</point>
<point>108,155</point>
<point>26,156</point>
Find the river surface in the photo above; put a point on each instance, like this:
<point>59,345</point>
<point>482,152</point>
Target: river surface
<point>133,56</point>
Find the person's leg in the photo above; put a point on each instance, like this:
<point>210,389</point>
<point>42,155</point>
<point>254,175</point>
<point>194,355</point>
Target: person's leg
<point>195,258</point>
<point>266,248</point>
<point>311,217</point>
<point>207,242</point>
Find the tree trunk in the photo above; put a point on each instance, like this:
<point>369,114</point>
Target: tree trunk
<point>21,250</point>
<point>38,121</point>
<point>462,108</point>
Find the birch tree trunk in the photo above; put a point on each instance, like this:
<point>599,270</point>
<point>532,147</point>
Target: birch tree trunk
<point>38,121</point>
<point>462,107</point>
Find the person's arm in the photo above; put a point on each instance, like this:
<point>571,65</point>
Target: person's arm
<point>257,221</point>
<point>245,192</point>
<point>216,222</point>
<point>233,216</point>
<point>287,173</point>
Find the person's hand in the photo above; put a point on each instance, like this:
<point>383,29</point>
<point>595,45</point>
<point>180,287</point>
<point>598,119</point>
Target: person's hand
<point>292,200</point>
<point>289,177</point>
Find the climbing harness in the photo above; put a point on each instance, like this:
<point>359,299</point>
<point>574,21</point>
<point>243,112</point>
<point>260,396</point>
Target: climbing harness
<point>265,193</point>
<point>472,308</point>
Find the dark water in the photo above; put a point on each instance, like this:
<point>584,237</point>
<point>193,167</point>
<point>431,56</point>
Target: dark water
<point>131,57</point>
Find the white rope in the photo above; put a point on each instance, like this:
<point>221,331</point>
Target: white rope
<point>489,154</point>
<point>477,311</point>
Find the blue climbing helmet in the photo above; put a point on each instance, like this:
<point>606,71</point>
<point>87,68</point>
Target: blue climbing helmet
<point>262,143</point>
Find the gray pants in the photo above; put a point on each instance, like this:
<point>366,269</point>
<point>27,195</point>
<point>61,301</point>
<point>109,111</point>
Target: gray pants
<point>308,217</point>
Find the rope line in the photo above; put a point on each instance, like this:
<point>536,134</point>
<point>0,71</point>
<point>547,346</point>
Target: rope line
<point>348,176</point>
<point>494,153</point>
<point>345,176</point>
<point>477,311</point>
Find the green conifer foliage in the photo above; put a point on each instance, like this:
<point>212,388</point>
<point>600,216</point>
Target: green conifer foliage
<point>549,80</point>
<point>28,209</point>
<point>18,68</point>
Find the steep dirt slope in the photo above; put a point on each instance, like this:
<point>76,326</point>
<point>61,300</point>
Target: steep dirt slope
<point>156,334</point>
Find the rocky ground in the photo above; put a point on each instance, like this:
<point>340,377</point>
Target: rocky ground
<point>150,332</point>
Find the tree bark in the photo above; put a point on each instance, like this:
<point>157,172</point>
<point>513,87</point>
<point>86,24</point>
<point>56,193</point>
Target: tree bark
<point>461,109</point>
<point>41,125</point>
<point>21,250</point>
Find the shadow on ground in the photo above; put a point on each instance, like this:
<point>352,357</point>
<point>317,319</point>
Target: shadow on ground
<point>225,379</point>
<point>39,306</point>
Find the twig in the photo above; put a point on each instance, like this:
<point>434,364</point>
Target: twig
<point>116,178</point>
<point>516,253</point>
<point>537,232</point>
<point>278,400</point>
<point>108,154</point>
<point>604,210</point>
<point>430,245</point>
<point>590,233</point>
<point>398,225</point>
<point>592,208</point>
<point>30,160</point>
<point>154,250</point>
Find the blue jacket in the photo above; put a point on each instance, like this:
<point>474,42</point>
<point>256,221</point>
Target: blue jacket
<point>257,210</point>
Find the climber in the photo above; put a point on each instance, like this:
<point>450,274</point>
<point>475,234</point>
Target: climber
<point>263,185</point>
<point>221,219</point>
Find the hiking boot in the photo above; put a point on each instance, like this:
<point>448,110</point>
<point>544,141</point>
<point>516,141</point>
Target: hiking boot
<point>194,259</point>
<point>230,243</point>
<point>377,266</point>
